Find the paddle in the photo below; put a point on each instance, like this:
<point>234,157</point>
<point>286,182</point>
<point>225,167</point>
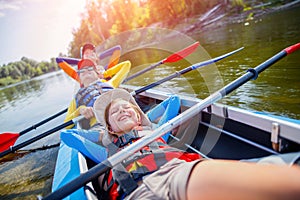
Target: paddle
<point>170,77</point>
<point>53,130</point>
<point>99,169</point>
<point>8,139</point>
<point>172,58</point>
<point>190,68</point>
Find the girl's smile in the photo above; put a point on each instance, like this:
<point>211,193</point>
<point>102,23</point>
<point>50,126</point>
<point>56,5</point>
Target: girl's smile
<point>122,116</point>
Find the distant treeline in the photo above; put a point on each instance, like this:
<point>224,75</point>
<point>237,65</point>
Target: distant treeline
<point>25,69</point>
<point>103,19</point>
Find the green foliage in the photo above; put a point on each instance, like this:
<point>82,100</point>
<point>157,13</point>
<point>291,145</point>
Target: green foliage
<point>7,81</point>
<point>104,19</point>
<point>25,69</point>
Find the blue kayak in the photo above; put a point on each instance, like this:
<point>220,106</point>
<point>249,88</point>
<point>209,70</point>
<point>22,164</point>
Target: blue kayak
<point>220,131</point>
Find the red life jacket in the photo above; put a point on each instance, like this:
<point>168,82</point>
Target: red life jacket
<point>122,179</point>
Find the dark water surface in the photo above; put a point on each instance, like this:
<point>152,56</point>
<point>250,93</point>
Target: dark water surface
<point>276,91</point>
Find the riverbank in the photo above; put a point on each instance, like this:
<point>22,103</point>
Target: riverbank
<point>222,15</point>
<point>259,10</point>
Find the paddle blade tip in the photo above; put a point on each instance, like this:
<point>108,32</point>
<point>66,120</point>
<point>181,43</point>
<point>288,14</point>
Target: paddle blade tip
<point>182,53</point>
<point>7,140</point>
<point>292,48</point>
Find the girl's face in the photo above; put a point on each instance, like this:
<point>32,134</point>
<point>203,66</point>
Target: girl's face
<point>122,116</point>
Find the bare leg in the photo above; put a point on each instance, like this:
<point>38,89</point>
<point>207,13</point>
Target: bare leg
<point>220,179</point>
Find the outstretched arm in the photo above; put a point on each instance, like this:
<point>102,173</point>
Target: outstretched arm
<point>118,73</point>
<point>115,56</point>
<point>68,69</point>
<point>71,113</point>
<point>90,149</point>
<point>220,179</point>
<point>166,110</point>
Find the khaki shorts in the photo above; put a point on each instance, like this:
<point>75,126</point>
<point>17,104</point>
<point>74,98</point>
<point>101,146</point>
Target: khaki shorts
<point>169,182</point>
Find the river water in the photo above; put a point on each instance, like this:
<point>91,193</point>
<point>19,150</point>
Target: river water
<point>276,91</point>
<point>22,106</point>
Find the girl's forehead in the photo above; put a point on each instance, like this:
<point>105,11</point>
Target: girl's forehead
<point>118,102</point>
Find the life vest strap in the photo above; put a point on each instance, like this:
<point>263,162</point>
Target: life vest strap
<point>86,96</point>
<point>127,179</point>
<point>123,140</point>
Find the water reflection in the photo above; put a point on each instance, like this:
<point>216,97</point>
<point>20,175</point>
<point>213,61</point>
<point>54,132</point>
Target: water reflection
<point>23,90</point>
<point>277,90</point>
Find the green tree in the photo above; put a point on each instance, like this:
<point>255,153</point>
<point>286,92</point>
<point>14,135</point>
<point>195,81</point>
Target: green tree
<point>37,71</point>
<point>25,69</point>
<point>4,72</point>
<point>44,67</point>
<point>15,73</point>
<point>104,19</point>
<point>28,70</point>
<point>29,61</point>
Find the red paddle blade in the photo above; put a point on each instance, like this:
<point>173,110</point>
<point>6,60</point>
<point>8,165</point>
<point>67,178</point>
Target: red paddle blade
<point>182,53</point>
<point>292,48</point>
<point>7,140</point>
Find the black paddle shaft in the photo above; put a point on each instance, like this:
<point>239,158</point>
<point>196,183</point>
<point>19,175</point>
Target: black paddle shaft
<point>186,70</point>
<point>252,73</point>
<point>43,122</point>
<point>40,136</point>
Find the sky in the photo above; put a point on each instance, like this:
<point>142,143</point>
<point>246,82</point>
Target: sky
<point>37,29</point>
